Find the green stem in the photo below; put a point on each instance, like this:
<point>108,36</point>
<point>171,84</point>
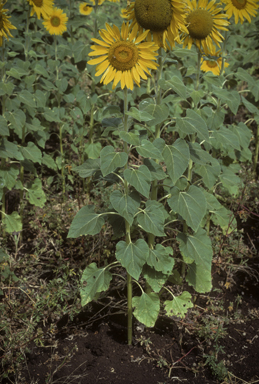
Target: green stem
<point>3,161</point>
<point>22,181</point>
<point>56,55</point>
<point>127,225</point>
<point>198,70</point>
<point>27,39</point>
<point>256,149</point>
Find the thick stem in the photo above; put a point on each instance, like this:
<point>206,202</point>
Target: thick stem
<point>198,70</point>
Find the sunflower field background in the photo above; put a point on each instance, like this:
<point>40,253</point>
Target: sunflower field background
<point>129,142</point>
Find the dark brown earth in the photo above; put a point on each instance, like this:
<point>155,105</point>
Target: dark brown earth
<point>93,348</point>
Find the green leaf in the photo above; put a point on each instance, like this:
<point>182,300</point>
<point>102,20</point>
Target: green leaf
<point>159,258</point>
<point>139,115</point>
<point>156,170</point>
<point>93,150</point>
<point>176,158</point>
<point>12,223</point>
<point>193,123</point>
<point>126,205</point>
<point>17,119</point>
<point>88,168</point>
<point>156,279</point>
<point>8,149</point>
<point>110,160</point>
<point>152,218</point>
<point>140,178</point>
<point>199,278</point>
<point>230,181</point>
<point>147,149</point>
<point>147,308</point>
<point>199,155</point>
<point>48,161</point>
<point>41,70</point>
<point>159,113</point>
<point>86,222</point>
<point>4,130</point>
<point>129,137</point>
<point>231,98</point>
<point>32,152</point>
<point>35,193</point>
<point>8,177</point>
<point>176,84</point>
<point>27,98</point>
<point>209,173</point>
<point>6,88</point>
<point>51,115</point>
<point>179,305</point>
<point>132,256</point>
<point>191,205</point>
<point>250,107</point>
<point>93,281</point>
<point>224,138</point>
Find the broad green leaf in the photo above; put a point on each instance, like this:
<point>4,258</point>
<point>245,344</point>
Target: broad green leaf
<point>147,308</point>
<point>156,170</point>
<point>27,98</point>
<point>86,222</point>
<point>139,115</point>
<point>8,177</point>
<point>132,256</point>
<point>51,115</point>
<point>93,281</point>
<point>224,138</point>
<point>6,88</point>
<point>156,279</point>
<point>41,70</point>
<point>8,149</point>
<point>199,278</point>
<point>139,178</point>
<point>110,160</point>
<point>4,130</point>
<point>176,84</point>
<point>176,158</point>
<point>225,219</point>
<point>197,95</point>
<point>12,223</point>
<point>193,123</point>
<point>243,133</point>
<point>17,72</point>
<point>17,120</point>
<point>129,137</point>
<point>179,305</point>
<point>230,181</point>
<point>191,205</point>
<point>251,107</point>
<point>48,161</point>
<point>93,150</point>
<point>152,218</point>
<point>126,205</point>
<point>147,149</point>
<point>32,152</point>
<point>88,168</point>
<point>231,98</point>
<point>35,193</point>
<point>159,113</point>
<point>160,259</point>
<point>197,247</point>
<point>199,155</point>
<point>209,173</point>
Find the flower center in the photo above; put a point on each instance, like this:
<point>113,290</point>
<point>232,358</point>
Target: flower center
<point>155,15</point>
<point>211,63</point>
<point>239,4</point>
<point>55,21</point>
<point>199,24</point>
<point>38,3</point>
<point>123,55</point>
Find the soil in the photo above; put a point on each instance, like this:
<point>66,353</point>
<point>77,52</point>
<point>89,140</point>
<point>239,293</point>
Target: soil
<point>93,348</point>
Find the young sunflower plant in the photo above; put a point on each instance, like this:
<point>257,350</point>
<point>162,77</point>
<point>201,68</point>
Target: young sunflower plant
<point>163,19</point>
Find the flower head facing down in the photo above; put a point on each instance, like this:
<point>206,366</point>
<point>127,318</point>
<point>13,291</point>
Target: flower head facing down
<point>5,24</point>
<point>55,23</point>
<point>123,56</point>
<point>42,8</point>
<point>163,18</point>
<point>214,63</point>
<point>241,9</point>
<point>85,9</point>
<point>204,20</point>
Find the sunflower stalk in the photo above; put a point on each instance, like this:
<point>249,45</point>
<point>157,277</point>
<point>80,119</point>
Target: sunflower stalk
<point>127,225</point>
<point>3,161</point>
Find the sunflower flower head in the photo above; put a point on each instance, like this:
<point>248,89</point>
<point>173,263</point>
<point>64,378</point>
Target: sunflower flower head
<point>5,24</point>
<point>55,23</point>
<point>85,9</point>
<point>204,20</point>
<point>100,2</point>
<point>123,56</point>
<point>241,9</point>
<point>213,63</point>
<point>42,8</point>
<point>163,19</point>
